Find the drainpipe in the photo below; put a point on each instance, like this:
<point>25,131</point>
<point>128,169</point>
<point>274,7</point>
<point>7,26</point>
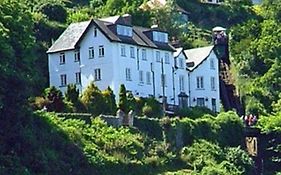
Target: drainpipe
<point>153,78</point>
<point>174,91</point>
<point>188,76</point>
<point>163,84</point>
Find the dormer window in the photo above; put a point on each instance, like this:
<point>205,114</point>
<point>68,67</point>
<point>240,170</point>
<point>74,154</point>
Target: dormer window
<point>124,30</point>
<point>160,37</point>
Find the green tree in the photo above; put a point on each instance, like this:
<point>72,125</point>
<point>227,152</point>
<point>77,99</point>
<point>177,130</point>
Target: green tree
<point>93,100</point>
<point>17,59</point>
<point>123,101</point>
<point>54,11</point>
<point>110,102</point>
<point>55,99</point>
<point>131,101</point>
<point>72,93</point>
<point>72,99</point>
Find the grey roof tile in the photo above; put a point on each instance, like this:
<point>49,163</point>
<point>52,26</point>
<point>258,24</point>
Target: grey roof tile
<point>197,55</point>
<point>69,37</point>
<point>74,33</point>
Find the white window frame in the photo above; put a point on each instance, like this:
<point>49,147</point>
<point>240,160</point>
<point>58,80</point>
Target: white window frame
<point>123,50</point>
<point>141,79</point>
<point>97,74</point>
<point>78,77</point>
<point>148,78</point>
<point>181,83</point>
<point>77,55</point>
<point>124,30</point>
<point>91,52</point>
<point>62,58</point>
<point>213,83</point>
<point>101,51</point>
<point>200,102</point>
<point>128,74</point>
<point>200,82</point>
<point>63,80</point>
<point>132,52</point>
<point>158,56</point>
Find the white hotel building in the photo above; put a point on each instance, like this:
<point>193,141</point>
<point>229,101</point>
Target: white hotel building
<point>112,52</point>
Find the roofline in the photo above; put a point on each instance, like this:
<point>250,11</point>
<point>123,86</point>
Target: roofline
<point>93,22</point>
<point>182,50</point>
<point>203,60</point>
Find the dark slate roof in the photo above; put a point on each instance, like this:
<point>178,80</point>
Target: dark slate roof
<point>75,32</point>
<point>197,56</point>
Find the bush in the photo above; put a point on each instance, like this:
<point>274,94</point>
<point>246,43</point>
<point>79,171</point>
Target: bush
<point>123,101</point>
<point>110,104</point>
<point>206,128</point>
<point>93,100</point>
<point>200,154</point>
<point>187,125</point>
<point>194,112</point>
<point>231,129</point>
<point>208,159</point>
<point>151,127</point>
<point>152,108</point>
<point>54,98</point>
<point>240,159</point>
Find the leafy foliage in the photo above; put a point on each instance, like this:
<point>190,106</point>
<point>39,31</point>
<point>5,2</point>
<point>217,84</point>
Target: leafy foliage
<point>123,101</point>
<point>93,100</point>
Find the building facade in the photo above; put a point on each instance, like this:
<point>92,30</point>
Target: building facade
<point>203,66</point>
<point>111,52</point>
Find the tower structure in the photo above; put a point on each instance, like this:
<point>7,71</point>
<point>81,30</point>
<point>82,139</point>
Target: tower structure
<point>228,93</point>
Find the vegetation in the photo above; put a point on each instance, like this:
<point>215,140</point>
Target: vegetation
<point>43,143</point>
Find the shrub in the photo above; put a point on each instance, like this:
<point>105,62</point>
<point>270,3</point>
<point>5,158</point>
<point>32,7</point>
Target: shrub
<point>240,159</point>
<point>152,108</point>
<point>93,100</point>
<point>55,99</point>
<point>123,101</point>
<point>200,154</point>
<point>206,128</point>
<point>110,104</point>
<point>187,125</point>
<point>194,112</point>
<point>151,127</point>
<point>231,129</point>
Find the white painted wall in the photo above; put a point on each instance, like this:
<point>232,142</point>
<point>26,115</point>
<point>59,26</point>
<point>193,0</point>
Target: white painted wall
<point>113,71</point>
<point>204,69</point>
<point>56,69</point>
<point>181,71</point>
<point>113,67</point>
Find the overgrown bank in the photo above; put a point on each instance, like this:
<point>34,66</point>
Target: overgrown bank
<point>49,144</point>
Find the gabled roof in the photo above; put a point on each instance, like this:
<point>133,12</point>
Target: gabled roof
<point>69,37</point>
<point>177,52</point>
<point>75,32</point>
<point>197,56</point>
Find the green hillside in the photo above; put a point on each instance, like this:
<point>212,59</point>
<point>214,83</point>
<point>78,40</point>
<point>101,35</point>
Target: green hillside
<point>43,143</point>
